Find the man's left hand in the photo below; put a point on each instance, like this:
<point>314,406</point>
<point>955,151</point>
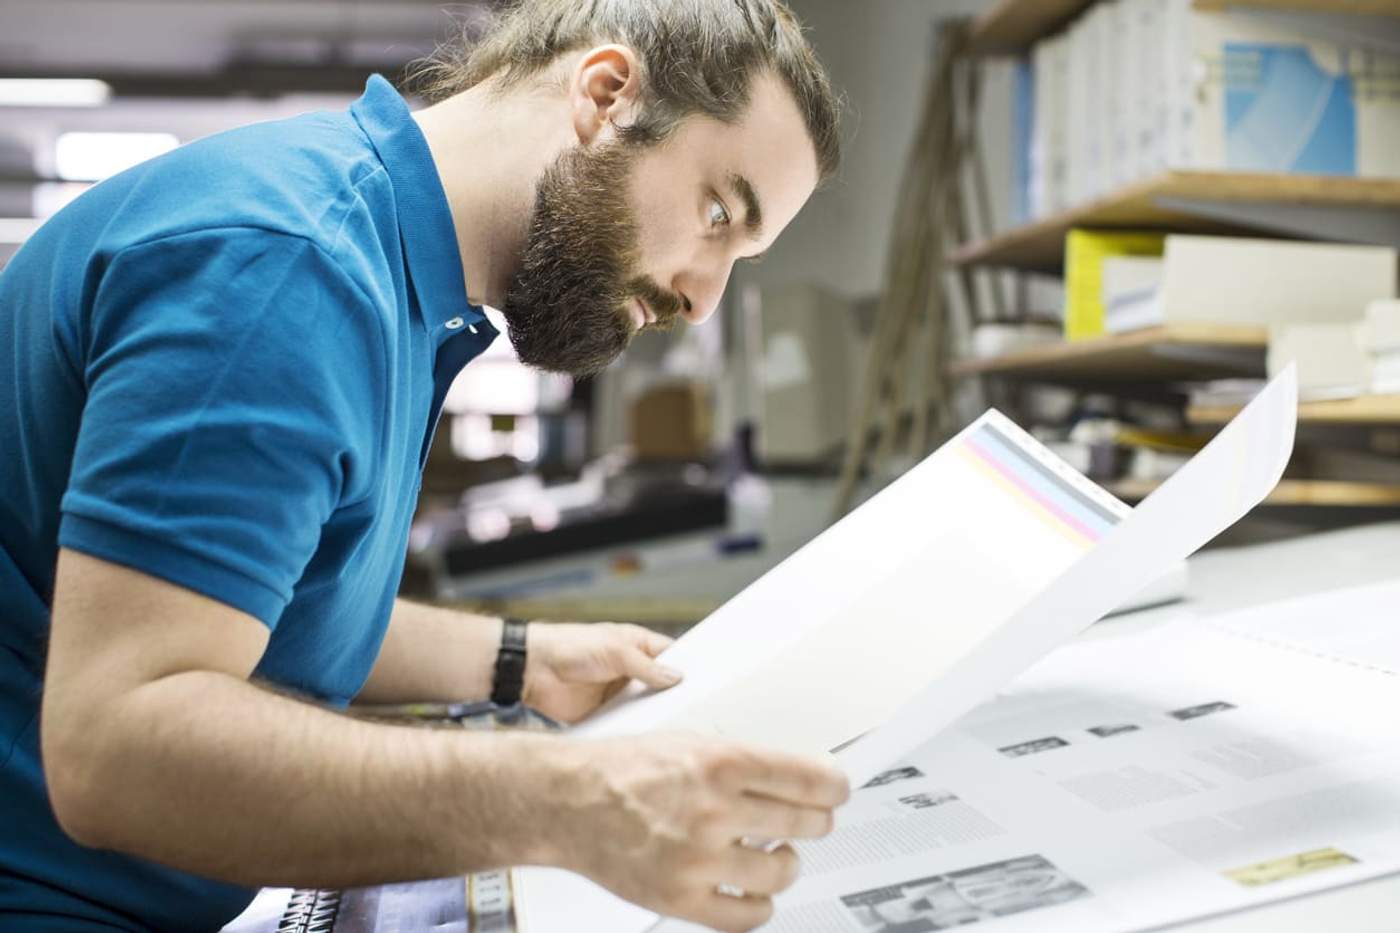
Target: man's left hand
<point>573,668</point>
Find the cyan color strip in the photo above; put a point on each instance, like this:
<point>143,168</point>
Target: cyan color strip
<point>1045,480</point>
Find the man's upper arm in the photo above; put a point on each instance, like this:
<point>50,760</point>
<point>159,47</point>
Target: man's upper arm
<point>115,630</point>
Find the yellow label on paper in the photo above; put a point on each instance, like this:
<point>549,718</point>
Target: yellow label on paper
<point>1290,866</point>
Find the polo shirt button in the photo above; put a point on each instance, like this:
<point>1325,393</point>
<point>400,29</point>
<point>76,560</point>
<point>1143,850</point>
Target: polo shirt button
<point>455,323</point>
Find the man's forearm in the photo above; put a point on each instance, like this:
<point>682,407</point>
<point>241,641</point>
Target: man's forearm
<point>433,654</point>
<point>212,775</point>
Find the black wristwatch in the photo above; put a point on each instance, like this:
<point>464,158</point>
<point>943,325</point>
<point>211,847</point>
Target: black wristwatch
<point>509,681</point>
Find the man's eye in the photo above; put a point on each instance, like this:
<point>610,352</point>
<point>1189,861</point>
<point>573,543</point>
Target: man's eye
<point>719,217</point>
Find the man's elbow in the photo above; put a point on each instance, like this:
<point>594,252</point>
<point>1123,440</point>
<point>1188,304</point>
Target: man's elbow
<point>73,775</point>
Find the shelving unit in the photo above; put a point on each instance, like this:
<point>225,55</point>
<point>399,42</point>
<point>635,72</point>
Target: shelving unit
<point>1205,202</point>
<point>1012,26</point>
<point>1293,492</point>
<point>1177,351</point>
<point>1146,363</point>
<point>1366,409</point>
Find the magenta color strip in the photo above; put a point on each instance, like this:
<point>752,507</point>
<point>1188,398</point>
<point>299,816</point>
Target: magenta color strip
<point>986,455</point>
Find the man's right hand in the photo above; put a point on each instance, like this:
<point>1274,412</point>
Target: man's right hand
<point>658,820</point>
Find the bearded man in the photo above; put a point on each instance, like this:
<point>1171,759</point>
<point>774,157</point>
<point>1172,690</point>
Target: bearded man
<point>225,369</point>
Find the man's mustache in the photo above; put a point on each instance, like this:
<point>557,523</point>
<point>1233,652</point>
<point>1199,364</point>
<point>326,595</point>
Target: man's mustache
<point>664,304</point>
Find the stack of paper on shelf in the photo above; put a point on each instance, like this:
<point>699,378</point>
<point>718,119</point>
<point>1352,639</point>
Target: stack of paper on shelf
<point>1331,361</point>
<point>1130,285</point>
<point>1342,360</point>
<point>1134,87</point>
<point>1380,338</point>
<point>1234,280</point>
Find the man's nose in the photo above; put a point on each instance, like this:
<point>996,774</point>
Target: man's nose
<point>701,291</point>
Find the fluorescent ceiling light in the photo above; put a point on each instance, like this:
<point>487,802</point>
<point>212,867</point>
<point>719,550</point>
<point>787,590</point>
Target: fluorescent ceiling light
<point>95,156</point>
<point>53,92</point>
<point>17,229</point>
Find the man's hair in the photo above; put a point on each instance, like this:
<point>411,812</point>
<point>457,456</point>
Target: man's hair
<point>698,57</point>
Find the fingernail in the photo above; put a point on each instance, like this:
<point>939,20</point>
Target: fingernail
<point>671,675</point>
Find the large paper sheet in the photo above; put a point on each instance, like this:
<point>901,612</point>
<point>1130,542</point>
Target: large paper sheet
<point>841,635</point>
<point>933,595</point>
<point>1129,783</point>
<point>1234,473</point>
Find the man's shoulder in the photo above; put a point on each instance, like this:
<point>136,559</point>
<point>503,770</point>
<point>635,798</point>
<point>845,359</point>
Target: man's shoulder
<point>315,177</point>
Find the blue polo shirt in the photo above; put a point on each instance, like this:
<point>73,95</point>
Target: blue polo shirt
<point>222,368</point>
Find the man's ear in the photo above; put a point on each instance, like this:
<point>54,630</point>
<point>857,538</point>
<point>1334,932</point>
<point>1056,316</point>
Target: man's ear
<point>603,91</point>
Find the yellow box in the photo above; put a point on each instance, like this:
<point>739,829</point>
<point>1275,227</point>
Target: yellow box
<point>1085,251</point>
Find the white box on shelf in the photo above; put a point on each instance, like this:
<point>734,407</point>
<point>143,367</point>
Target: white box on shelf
<point>1330,358</point>
<point>1177,83</point>
<point>1234,280</point>
<point>1112,103</point>
<point>1385,373</point>
<point>1381,333</point>
<point>1150,110</point>
<point>1077,112</point>
<point>1096,47</point>
<point>1050,156</point>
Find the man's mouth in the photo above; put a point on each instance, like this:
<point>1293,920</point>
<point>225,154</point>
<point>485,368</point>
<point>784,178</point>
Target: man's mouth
<point>641,314</point>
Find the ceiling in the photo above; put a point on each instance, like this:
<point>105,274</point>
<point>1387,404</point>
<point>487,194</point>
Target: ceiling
<point>150,45</point>
<point>195,67</point>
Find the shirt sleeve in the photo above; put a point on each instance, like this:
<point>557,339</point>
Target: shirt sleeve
<point>234,402</point>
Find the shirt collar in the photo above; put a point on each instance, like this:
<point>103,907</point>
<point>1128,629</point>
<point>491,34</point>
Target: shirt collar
<point>425,220</point>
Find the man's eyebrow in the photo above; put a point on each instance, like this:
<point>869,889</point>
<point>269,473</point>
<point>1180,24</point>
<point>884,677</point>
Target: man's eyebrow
<point>753,211</point>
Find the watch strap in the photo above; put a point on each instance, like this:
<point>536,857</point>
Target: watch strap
<point>509,681</point>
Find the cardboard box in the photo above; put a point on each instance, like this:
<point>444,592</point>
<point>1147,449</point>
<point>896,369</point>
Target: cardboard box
<point>672,422</point>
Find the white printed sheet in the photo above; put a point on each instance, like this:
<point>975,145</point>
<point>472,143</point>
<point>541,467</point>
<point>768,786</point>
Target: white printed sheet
<point>1129,783</point>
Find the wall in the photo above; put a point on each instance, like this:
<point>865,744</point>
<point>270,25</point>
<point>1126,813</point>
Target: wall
<point>879,53</point>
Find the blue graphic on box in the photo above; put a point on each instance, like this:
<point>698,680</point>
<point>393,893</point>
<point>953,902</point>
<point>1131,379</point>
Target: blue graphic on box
<point>1283,113</point>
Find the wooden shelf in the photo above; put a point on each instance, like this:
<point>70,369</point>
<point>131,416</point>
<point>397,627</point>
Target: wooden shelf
<point>1177,351</point>
<point>1367,409</point>
<point>1040,246</point>
<point>1293,492</point>
<point>1341,7</point>
<point>1013,26</point>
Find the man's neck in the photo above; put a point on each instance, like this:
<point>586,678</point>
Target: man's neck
<point>489,151</point>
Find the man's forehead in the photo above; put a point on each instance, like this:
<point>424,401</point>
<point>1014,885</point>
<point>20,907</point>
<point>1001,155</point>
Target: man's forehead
<point>767,153</point>
<point>779,162</point>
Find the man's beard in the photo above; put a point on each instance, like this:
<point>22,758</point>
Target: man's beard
<point>569,306</point>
